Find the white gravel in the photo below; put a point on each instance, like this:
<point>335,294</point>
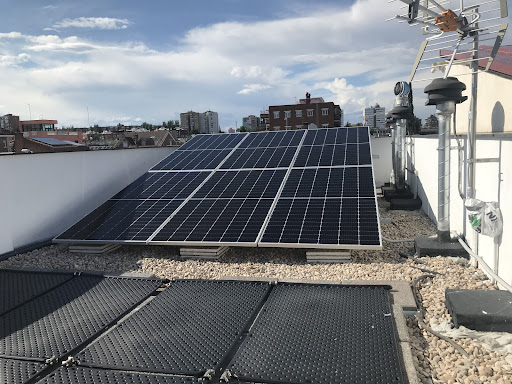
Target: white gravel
<point>436,360</point>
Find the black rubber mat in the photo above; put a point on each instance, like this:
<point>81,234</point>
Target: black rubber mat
<point>187,329</point>
<point>321,334</point>
<point>18,287</point>
<point>81,375</point>
<point>18,371</point>
<point>58,322</point>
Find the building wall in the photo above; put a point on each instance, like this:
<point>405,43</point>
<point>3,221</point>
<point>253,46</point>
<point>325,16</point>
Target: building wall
<point>493,183</point>
<point>494,102</point>
<point>190,121</point>
<point>252,123</point>
<point>10,123</point>
<point>300,122</point>
<point>380,117</point>
<point>209,122</point>
<point>50,192</point>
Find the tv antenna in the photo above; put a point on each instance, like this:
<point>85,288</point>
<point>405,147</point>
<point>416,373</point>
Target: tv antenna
<point>454,26</point>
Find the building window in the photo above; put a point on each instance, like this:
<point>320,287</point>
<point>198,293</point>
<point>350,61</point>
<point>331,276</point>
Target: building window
<point>298,113</point>
<point>277,128</point>
<point>325,111</point>
<point>325,125</point>
<point>287,114</point>
<point>276,115</point>
<point>310,112</point>
<point>299,126</point>
<point>287,127</point>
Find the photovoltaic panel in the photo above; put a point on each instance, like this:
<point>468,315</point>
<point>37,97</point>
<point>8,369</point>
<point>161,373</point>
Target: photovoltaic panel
<point>273,139</point>
<point>216,221</point>
<point>236,189</point>
<point>163,185</point>
<point>242,184</point>
<point>122,220</point>
<point>328,221</point>
<point>19,371</point>
<point>260,158</point>
<point>200,142</point>
<point>193,160</point>
<point>330,182</point>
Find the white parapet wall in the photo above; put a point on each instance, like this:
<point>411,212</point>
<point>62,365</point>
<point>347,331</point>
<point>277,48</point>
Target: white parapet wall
<point>41,195</point>
<point>493,183</point>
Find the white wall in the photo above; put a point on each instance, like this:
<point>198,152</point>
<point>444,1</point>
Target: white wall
<point>381,155</point>
<point>44,194</point>
<point>493,183</point>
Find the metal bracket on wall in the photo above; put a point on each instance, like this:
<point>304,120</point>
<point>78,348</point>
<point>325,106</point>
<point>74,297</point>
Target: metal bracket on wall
<point>487,160</point>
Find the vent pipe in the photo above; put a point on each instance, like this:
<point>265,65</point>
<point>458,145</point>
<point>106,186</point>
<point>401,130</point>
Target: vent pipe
<point>444,94</point>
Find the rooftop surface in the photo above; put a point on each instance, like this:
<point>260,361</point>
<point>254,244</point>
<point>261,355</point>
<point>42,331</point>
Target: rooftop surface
<point>435,360</point>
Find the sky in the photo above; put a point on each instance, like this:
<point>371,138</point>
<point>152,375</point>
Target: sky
<point>109,62</point>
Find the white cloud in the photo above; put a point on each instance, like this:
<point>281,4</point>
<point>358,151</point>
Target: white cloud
<point>253,88</point>
<point>348,55</point>
<point>7,60</point>
<point>92,22</point>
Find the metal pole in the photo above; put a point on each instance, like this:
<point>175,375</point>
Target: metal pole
<point>400,153</point>
<point>393,150</point>
<point>471,166</point>
<point>444,111</point>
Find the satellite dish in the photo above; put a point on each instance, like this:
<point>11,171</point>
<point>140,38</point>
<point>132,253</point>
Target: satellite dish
<point>457,28</point>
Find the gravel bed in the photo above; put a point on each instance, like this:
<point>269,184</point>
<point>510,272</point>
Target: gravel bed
<point>436,360</point>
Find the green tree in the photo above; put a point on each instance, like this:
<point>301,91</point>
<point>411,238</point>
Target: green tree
<point>242,129</point>
<point>348,124</point>
<point>413,125</point>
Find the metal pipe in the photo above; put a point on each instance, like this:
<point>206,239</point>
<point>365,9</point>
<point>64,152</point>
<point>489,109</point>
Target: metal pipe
<point>393,150</point>
<point>471,154</point>
<point>444,111</point>
<point>401,125</point>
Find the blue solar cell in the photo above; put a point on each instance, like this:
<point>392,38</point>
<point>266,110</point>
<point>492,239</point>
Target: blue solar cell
<point>193,160</point>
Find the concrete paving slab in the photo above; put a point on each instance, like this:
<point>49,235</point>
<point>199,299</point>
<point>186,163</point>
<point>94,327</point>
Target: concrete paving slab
<point>481,310</point>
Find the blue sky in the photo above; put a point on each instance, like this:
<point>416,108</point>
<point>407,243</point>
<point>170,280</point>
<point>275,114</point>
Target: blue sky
<point>132,61</point>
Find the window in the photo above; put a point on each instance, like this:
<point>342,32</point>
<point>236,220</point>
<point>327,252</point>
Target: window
<point>287,127</point>
<point>298,113</point>
<point>325,125</point>
<point>277,128</point>
<point>325,111</point>
<point>310,112</point>
<point>299,126</point>
<point>276,115</point>
<point>287,114</point>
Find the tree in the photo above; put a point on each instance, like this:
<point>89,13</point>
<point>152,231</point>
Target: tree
<point>359,124</point>
<point>413,125</point>
<point>348,124</point>
<point>242,129</point>
<point>194,132</point>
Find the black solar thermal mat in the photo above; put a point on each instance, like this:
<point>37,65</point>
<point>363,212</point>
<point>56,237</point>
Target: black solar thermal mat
<point>18,287</point>
<point>81,375</point>
<point>187,329</point>
<point>18,371</point>
<point>70,315</point>
<point>322,334</point>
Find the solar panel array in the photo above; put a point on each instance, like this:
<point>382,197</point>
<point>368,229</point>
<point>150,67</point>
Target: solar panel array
<point>286,188</point>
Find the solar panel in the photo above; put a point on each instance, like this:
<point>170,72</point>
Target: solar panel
<point>323,335</point>
<point>285,188</point>
<point>187,329</point>
<point>19,371</point>
<point>19,287</point>
<point>68,316</point>
<point>52,141</point>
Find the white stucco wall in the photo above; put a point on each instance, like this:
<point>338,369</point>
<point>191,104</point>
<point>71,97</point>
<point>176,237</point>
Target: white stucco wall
<point>494,102</point>
<point>43,194</point>
<point>493,183</point>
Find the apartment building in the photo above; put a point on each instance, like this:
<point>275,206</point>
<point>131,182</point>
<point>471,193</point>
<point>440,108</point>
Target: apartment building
<point>375,117</point>
<point>251,123</point>
<point>195,122</point>
<point>307,113</point>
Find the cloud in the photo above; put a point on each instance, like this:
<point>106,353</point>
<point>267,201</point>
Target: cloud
<point>92,22</point>
<point>253,88</point>
<point>346,54</point>
<point>7,60</point>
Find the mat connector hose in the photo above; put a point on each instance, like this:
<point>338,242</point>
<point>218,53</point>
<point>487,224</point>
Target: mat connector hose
<point>208,375</point>
<point>226,376</point>
<point>70,361</point>
<point>51,361</point>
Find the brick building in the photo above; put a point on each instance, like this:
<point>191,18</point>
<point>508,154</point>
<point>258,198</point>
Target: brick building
<point>45,145</point>
<point>37,125</point>
<point>264,121</point>
<point>308,113</point>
